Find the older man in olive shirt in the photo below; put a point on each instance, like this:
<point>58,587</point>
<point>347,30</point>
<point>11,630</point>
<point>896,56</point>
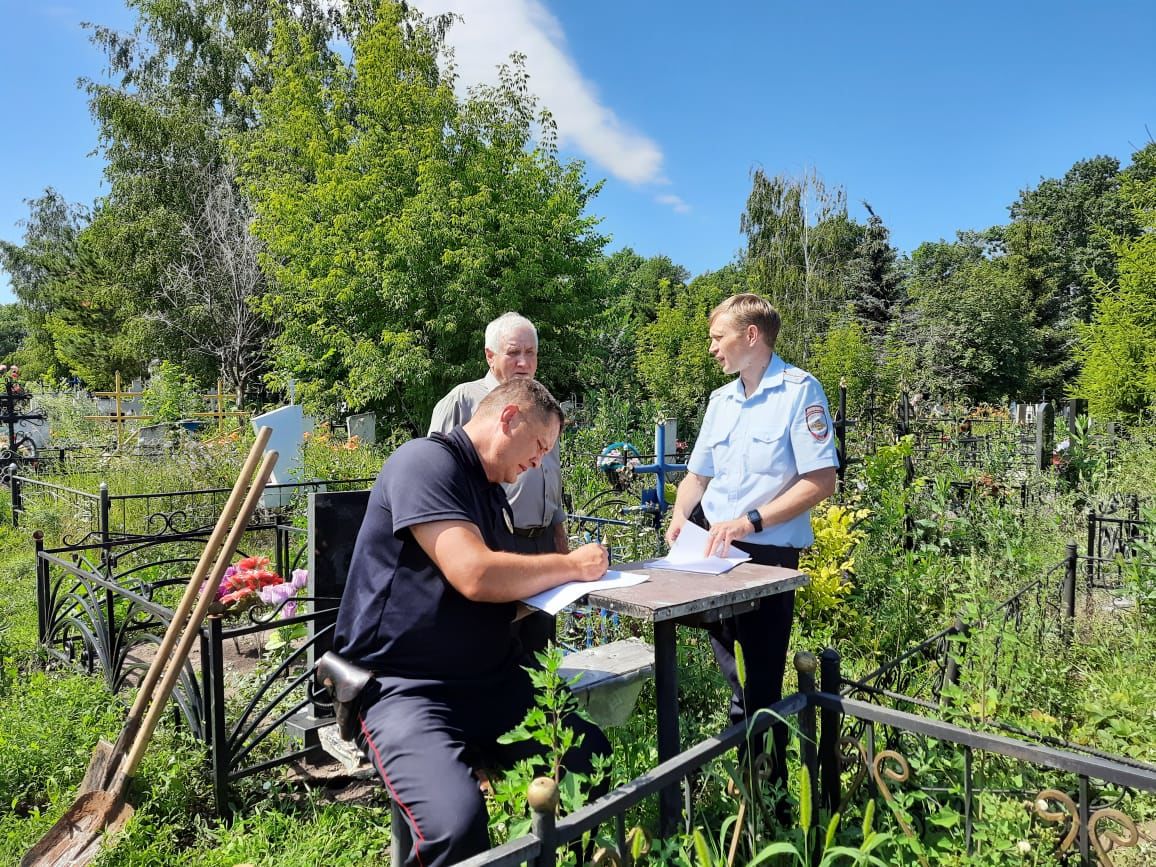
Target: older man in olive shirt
<point>536,497</point>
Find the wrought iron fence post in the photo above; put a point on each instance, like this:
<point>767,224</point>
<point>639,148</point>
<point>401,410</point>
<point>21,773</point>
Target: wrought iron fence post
<point>17,498</point>
<point>543,798</point>
<point>831,725</point>
<point>951,664</point>
<point>1090,568</point>
<point>214,688</point>
<point>1070,589</point>
<point>806,665</point>
<point>41,588</point>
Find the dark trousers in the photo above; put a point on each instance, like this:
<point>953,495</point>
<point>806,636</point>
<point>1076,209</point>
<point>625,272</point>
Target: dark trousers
<point>538,629</point>
<point>424,737</point>
<point>764,634</point>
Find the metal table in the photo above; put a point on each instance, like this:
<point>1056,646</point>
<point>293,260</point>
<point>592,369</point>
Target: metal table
<point>692,599</point>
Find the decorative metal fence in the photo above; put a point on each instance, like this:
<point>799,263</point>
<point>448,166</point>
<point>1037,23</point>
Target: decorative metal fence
<point>848,747</point>
<point>104,515</point>
<point>1117,539</point>
<point>104,605</point>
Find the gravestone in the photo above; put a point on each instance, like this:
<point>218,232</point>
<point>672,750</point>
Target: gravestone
<point>1045,418</point>
<point>36,429</point>
<point>363,426</point>
<point>289,425</point>
<point>334,519</point>
<point>153,436</point>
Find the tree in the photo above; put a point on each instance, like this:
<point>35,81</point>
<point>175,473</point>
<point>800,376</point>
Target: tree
<point>35,268</point>
<point>970,326</point>
<point>398,219</point>
<point>635,289</point>
<point>874,282</point>
<point>12,331</point>
<point>1118,347</point>
<point>1083,212</point>
<point>177,93</point>
<point>845,354</point>
<point>209,296</point>
<point>671,356</point>
<point>799,240</point>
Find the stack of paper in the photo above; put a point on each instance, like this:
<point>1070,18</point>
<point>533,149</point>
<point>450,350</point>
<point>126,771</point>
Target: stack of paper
<point>554,600</point>
<point>686,554</point>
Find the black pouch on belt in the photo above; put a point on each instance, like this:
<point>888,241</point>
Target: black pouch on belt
<point>345,682</point>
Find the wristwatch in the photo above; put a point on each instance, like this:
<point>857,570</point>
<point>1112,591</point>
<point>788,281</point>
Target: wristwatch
<point>756,520</point>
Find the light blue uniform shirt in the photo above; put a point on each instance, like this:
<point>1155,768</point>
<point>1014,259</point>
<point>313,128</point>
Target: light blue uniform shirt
<point>753,448</point>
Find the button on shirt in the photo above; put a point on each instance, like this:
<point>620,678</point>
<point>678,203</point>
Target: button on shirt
<point>752,448</point>
<point>536,495</point>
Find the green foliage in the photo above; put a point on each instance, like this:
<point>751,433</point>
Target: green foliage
<point>671,358</point>
<point>874,281</point>
<point>799,241</point>
<point>398,218</point>
<point>844,354</point>
<point>1118,347</point>
<point>544,725</point>
<point>971,329</point>
<point>829,563</point>
<point>171,394</point>
<point>12,330</point>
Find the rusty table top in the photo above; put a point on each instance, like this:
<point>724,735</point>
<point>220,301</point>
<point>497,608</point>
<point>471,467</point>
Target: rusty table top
<point>670,595</point>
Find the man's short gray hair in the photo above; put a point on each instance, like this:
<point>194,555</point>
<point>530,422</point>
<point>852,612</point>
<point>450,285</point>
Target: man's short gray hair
<point>497,330</point>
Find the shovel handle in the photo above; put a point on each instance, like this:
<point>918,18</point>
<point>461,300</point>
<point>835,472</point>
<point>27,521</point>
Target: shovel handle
<point>173,670</point>
<point>181,614</point>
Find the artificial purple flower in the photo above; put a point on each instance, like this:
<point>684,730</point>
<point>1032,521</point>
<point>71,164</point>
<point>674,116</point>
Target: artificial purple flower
<point>223,588</point>
<point>300,578</point>
<point>275,594</point>
<point>290,609</point>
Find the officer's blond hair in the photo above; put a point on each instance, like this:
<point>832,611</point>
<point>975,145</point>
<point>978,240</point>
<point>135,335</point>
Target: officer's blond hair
<point>746,309</point>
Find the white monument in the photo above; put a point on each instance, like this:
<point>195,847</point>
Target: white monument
<point>289,424</point>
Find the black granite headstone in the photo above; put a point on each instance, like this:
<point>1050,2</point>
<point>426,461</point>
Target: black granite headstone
<point>334,521</point>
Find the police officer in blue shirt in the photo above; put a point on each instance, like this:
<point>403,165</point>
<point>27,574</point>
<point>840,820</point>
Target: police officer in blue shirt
<point>427,608</point>
<point>764,457</point>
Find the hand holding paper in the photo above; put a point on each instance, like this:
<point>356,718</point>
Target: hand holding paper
<point>686,554</point>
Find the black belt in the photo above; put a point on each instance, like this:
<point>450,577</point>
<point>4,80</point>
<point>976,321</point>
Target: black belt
<point>531,532</point>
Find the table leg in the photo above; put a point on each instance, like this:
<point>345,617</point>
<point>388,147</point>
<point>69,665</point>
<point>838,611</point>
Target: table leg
<point>666,697</point>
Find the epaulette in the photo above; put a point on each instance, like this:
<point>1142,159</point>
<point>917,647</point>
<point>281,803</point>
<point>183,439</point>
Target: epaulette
<point>794,374</point>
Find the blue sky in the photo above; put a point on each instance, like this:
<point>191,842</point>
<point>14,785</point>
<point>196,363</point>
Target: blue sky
<point>936,113</point>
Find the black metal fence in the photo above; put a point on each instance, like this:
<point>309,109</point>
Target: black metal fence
<point>848,747</point>
<point>84,516</point>
<point>1117,538</point>
<point>103,606</point>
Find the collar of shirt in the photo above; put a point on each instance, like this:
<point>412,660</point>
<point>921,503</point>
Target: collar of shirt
<point>772,378</point>
<point>491,381</point>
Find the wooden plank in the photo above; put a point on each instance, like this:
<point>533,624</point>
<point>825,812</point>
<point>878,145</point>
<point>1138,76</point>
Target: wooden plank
<point>670,595</point>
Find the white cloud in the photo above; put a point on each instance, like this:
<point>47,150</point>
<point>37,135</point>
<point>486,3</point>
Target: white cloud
<point>489,32</point>
<point>675,202</point>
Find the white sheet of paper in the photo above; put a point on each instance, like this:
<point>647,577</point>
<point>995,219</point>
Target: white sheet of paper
<point>686,554</point>
<point>553,601</point>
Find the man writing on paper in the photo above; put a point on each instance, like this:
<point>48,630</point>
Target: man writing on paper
<point>511,344</point>
<point>428,606</point>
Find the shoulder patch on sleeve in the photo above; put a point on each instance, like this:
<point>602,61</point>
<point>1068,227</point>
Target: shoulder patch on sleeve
<point>817,422</point>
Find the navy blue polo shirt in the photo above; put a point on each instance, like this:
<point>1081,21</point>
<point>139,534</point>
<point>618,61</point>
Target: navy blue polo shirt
<point>399,615</point>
